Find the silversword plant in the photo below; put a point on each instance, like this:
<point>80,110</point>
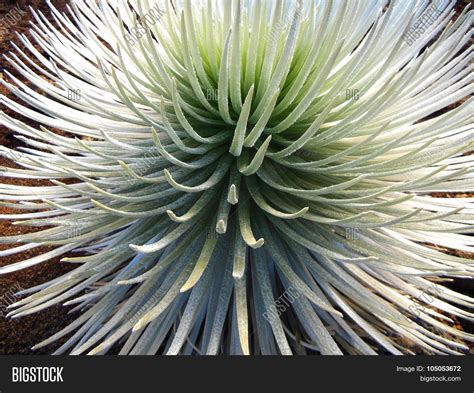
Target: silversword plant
<point>250,193</point>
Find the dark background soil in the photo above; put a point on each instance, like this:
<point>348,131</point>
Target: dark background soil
<point>18,336</point>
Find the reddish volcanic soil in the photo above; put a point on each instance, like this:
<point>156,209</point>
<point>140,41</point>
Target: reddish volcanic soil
<point>18,336</point>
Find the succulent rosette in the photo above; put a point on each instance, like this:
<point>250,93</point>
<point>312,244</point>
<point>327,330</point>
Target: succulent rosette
<point>247,177</point>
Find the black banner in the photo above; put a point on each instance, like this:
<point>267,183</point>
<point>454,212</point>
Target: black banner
<point>313,374</point>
